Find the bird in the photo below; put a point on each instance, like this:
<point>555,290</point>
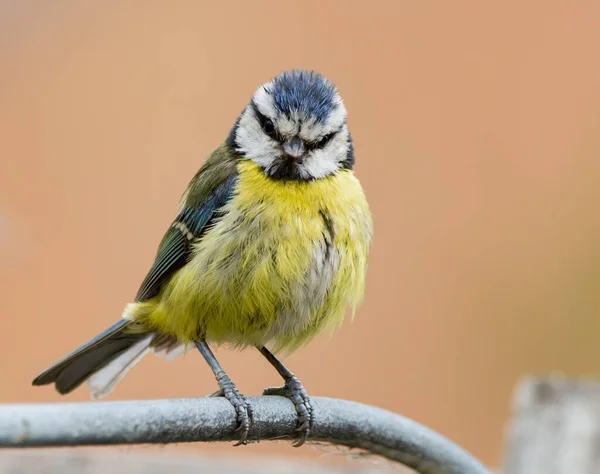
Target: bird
<point>269,248</point>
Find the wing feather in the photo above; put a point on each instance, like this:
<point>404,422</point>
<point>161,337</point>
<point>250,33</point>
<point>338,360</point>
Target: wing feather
<point>190,224</point>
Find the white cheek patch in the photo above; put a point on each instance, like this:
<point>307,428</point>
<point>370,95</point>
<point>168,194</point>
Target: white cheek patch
<point>320,163</point>
<point>252,141</point>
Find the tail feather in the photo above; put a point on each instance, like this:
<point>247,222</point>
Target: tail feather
<point>70,372</point>
<point>104,380</point>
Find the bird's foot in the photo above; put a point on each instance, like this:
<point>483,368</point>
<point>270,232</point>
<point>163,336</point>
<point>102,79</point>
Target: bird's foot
<point>294,390</point>
<point>243,409</point>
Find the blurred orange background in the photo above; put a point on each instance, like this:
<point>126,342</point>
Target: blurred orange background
<point>477,132</point>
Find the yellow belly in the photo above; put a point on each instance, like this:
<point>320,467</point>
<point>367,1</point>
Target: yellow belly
<point>285,261</point>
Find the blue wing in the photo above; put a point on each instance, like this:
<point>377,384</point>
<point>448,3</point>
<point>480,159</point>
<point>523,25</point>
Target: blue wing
<point>175,247</point>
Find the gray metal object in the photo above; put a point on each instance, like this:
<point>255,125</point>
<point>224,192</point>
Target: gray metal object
<point>337,422</point>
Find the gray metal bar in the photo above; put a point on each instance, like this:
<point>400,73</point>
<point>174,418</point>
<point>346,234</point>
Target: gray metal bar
<point>212,419</point>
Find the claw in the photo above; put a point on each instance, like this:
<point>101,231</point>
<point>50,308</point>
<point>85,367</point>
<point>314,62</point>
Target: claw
<point>243,409</point>
<point>294,391</point>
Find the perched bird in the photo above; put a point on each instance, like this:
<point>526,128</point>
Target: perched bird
<point>269,248</point>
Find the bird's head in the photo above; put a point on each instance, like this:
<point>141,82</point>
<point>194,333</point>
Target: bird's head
<point>295,128</point>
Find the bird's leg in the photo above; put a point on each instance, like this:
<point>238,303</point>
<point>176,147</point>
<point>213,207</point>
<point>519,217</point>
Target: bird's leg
<point>293,390</point>
<point>227,389</point>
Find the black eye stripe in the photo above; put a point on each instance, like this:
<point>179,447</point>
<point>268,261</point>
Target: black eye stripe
<point>265,122</point>
<point>267,126</point>
<point>322,141</point>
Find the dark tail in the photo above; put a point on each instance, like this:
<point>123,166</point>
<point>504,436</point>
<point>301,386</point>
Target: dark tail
<point>71,371</point>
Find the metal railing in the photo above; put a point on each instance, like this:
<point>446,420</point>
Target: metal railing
<point>338,422</point>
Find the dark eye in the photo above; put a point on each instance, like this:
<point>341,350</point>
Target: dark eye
<point>325,140</point>
<point>265,122</point>
<point>268,126</point>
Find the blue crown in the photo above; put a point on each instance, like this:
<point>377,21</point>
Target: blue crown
<point>305,92</point>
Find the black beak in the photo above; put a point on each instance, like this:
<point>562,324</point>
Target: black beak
<point>294,147</point>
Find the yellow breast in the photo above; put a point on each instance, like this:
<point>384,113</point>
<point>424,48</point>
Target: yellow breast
<point>284,261</point>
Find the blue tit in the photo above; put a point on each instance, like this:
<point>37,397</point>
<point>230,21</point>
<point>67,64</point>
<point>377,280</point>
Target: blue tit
<point>269,248</point>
